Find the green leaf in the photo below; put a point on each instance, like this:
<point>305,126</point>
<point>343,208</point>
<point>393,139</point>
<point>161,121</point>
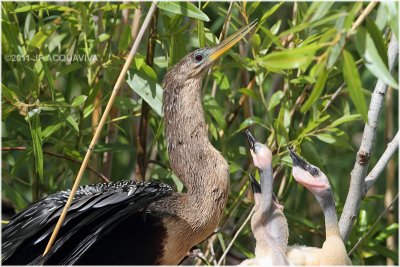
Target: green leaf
<point>352,79</point>
<point>49,78</point>
<point>327,138</point>
<point>114,7</point>
<point>149,71</point>
<point>377,37</point>
<point>317,90</point>
<point>103,37</point>
<point>375,64</point>
<point>310,25</point>
<point>53,105</point>
<point>270,11</point>
<point>184,9</point>
<point>177,182</point>
<point>49,130</point>
<point>344,119</point>
<point>8,94</point>
<point>221,80</point>
<point>42,35</point>
<point>212,106</point>
<point>275,99</point>
<point>249,92</point>
<point>201,34</point>
<point>36,133</point>
<point>386,233</point>
<point>318,10</point>
<point>125,39</point>
<point>148,90</point>
<point>30,27</point>
<point>248,122</point>
<point>290,58</point>
<point>79,100</point>
<point>43,7</point>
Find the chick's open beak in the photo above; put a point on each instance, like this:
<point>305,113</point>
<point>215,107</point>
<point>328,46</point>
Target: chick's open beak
<point>250,138</point>
<point>226,44</point>
<point>298,161</point>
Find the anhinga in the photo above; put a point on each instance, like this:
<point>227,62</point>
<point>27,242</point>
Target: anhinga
<point>268,223</point>
<point>333,251</point>
<point>134,222</point>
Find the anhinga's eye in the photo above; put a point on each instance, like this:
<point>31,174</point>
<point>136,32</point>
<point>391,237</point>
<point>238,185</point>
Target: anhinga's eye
<point>198,58</point>
<point>314,171</point>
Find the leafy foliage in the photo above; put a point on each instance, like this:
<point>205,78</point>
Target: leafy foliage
<point>303,79</point>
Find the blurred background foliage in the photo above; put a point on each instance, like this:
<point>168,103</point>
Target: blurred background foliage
<point>304,78</point>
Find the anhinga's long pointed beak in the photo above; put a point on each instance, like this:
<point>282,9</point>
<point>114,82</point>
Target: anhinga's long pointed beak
<point>254,184</point>
<point>251,139</point>
<point>226,44</point>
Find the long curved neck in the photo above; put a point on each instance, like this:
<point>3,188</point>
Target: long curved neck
<point>328,206</point>
<point>266,181</point>
<point>193,159</point>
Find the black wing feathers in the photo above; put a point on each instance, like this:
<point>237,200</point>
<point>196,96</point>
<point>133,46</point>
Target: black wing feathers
<point>95,211</point>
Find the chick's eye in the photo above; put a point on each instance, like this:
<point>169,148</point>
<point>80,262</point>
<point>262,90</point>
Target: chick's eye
<point>198,57</point>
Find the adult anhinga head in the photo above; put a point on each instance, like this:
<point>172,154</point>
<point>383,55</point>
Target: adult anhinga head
<point>197,62</point>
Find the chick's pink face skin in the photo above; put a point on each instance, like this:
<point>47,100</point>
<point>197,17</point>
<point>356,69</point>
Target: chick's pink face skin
<point>262,157</point>
<point>307,180</point>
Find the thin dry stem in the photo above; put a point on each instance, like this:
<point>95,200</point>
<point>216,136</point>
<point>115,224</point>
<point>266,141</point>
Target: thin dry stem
<point>235,237</point>
<point>361,18</point>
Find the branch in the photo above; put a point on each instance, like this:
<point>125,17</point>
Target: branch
<point>21,148</point>
<point>96,135</point>
<point>359,171</point>
<point>380,165</point>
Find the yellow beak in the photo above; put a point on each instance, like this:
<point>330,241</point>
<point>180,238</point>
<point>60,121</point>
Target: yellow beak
<point>224,46</point>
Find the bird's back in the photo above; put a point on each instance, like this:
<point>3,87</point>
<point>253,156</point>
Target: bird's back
<point>106,224</point>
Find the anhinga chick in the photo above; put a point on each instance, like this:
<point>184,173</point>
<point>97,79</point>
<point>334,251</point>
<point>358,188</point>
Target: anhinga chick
<point>268,223</point>
<point>138,223</point>
<point>333,251</point>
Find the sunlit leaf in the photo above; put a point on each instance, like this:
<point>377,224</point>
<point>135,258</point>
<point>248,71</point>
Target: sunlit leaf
<point>290,58</point>
<point>379,42</point>
<point>148,90</point>
<point>184,9</point>
<point>344,119</point>
<point>375,64</point>
<point>275,99</point>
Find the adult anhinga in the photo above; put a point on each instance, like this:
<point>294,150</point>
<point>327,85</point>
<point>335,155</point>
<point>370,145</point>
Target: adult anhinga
<point>268,223</point>
<point>134,222</point>
<point>333,251</point>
